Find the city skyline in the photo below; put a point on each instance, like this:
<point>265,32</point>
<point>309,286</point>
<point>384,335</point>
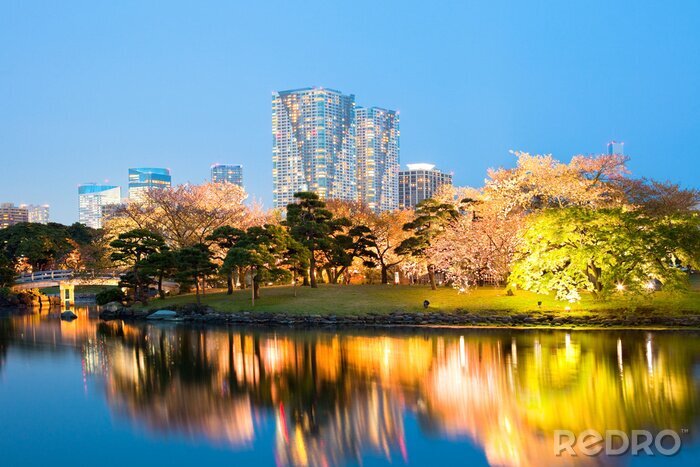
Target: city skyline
<point>89,90</point>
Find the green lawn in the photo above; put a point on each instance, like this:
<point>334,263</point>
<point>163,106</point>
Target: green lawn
<point>362,299</point>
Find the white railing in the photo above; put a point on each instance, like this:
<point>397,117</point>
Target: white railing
<point>61,274</point>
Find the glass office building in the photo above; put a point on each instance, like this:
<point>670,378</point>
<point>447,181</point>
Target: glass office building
<point>616,148</point>
<point>92,199</point>
<point>147,178</point>
<point>377,143</point>
<point>225,173</point>
<point>313,144</point>
<point>420,182</point>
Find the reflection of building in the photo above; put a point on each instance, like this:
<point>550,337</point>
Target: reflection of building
<point>92,199</point>
<point>616,148</point>
<point>377,145</point>
<point>147,178</point>
<point>11,215</point>
<point>420,182</point>
<point>226,173</point>
<point>313,144</point>
<point>38,213</point>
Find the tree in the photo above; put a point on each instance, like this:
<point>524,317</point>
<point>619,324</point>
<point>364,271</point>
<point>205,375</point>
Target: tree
<point>430,220</point>
<point>347,243</point>
<point>311,224</point>
<point>132,249</point>
<point>224,238</point>
<point>45,246</point>
<point>602,250</point>
<point>262,249</point>
<point>387,233</point>
<point>159,265</point>
<point>194,264</point>
<point>186,215</point>
<point>7,272</point>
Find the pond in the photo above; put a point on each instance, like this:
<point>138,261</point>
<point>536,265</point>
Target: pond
<point>94,393</point>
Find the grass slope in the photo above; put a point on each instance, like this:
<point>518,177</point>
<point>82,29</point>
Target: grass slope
<point>362,299</point>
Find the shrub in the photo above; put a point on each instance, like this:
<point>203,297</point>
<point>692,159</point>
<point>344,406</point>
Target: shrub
<point>110,295</point>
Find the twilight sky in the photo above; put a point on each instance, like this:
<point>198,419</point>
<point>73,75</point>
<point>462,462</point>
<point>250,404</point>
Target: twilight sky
<point>88,89</point>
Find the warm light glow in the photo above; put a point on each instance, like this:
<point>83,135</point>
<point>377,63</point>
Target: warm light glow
<point>620,287</point>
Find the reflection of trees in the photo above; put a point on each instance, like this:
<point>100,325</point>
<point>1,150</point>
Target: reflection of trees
<point>6,333</point>
<point>337,397</point>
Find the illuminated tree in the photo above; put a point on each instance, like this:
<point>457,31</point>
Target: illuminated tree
<point>387,233</point>
<point>574,249</point>
<point>186,215</point>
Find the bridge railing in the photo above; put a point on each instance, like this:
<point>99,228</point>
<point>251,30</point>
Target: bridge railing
<point>61,274</point>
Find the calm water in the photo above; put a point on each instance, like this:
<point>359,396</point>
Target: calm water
<point>91,393</point>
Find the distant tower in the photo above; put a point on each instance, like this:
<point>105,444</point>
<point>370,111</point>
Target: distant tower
<point>38,214</point>
<point>377,143</point>
<point>313,145</point>
<point>420,182</point>
<point>616,148</point>
<point>147,178</point>
<point>225,173</point>
<point>93,199</point>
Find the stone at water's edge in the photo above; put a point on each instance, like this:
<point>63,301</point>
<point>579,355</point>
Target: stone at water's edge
<point>163,315</point>
<point>112,307</point>
<point>68,315</point>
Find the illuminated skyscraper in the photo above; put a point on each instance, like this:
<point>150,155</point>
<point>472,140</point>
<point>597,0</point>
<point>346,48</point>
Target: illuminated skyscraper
<point>377,143</point>
<point>147,178</point>
<point>420,182</point>
<point>616,148</point>
<point>313,144</point>
<point>224,173</point>
<point>11,215</point>
<point>93,199</point>
<point>38,214</point>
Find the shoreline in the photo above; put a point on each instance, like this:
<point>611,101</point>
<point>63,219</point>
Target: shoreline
<point>193,315</point>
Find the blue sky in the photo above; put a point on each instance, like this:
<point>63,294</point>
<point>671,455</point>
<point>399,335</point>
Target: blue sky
<point>88,89</point>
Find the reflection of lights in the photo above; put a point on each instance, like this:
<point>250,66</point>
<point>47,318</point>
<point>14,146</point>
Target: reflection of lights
<point>514,352</point>
<point>619,355</point>
<point>462,354</point>
<point>650,365</point>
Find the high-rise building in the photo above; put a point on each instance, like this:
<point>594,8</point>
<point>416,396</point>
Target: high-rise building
<point>225,173</point>
<point>616,148</point>
<point>92,201</point>
<point>11,215</point>
<point>313,144</point>
<point>147,178</point>
<point>38,213</point>
<point>420,182</point>
<point>377,143</point>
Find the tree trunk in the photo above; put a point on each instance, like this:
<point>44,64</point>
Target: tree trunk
<point>431,276</point>
<point>305,282</point>
<point>385,275</point>
<point>196,290</point>
<point>161,294</point>
<point>241,276</point>
<point>229,283</point>
<point>312,271</point>
<point>256,288</point>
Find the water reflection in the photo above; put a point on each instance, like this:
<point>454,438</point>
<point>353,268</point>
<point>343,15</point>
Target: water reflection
<point>336,397</point>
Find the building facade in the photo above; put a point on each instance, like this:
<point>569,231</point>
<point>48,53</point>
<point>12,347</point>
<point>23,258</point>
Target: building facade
<point>313,144</point>
<point>420,182</point>
<point>93,199</point>
<point>38,213</point>
<point>377,143</point>
<point>147,178</point>
<point>616,148</point>
<point>11,215</point>
<point>226,173</point>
